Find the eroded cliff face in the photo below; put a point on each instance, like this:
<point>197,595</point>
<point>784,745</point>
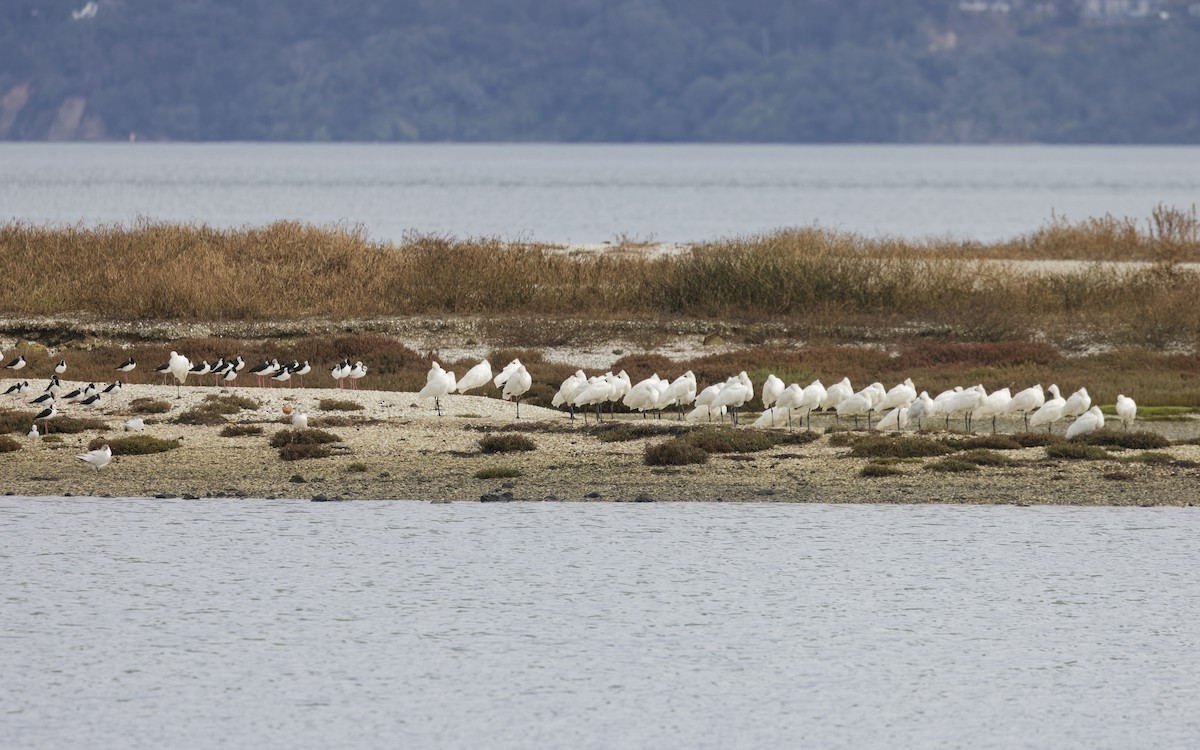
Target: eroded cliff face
<point>70,121</point>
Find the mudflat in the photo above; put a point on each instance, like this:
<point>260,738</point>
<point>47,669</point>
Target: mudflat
<point>395,447</point>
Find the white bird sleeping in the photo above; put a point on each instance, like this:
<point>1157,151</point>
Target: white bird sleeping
<point>477,377</point>
<point>895,420</point>
<point>179,366</point>
<point>771,390</point>
<point>1090,421</point>
<point>507,372</point>
<point>1050,412</point>
<point>438,384</point>
<point>98,458</point>
<point>516,385</point>
<point>1126,410</point>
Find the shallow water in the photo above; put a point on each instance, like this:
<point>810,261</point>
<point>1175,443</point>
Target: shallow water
<point>593,193</point>
<point>150,623</point>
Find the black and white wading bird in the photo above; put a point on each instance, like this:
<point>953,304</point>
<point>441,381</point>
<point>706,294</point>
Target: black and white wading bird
<point>127,366</point>
<point>47,414</point>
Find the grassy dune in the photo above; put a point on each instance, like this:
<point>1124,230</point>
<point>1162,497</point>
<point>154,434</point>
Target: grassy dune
<point>812,278</point>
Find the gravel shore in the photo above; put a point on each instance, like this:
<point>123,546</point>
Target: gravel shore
<point>396,448</point>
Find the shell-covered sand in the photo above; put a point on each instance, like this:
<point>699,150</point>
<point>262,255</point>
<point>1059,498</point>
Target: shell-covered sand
<point>397,448</point>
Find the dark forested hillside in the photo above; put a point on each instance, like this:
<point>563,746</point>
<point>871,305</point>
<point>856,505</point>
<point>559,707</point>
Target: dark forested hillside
<point>602,70</point>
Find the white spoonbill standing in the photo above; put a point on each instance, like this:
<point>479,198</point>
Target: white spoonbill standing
<point>1050,412</point>
<point>681,392</point>
<point>1027,401</point>
<point>895,420</point>
<point>856,405</point>
<point>98,458</point>
<point>965,402</point>
<point>1126,410</point>
<point>643,396</point>
<point>179,366</point>
<point>902,394</point>
<point>922,407</point>
<point>789,400</point>
<point>771,389</point>
<point>736,393</point>
<point>438,384</point>
<point>589,392</point>
<point>1090,421</point>
<point>505,373</point>
<point>814,394</point>
<point>704,400</point>
<point>993,406</point>
<point>477,377</point>
<point>566,390</point>
<point>1078,403</point>
<point>516,385</point>
<point>836,394</point>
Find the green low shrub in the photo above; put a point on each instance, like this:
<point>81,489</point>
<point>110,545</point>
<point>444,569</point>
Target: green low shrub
<point>1036,439</point>
<point>986,457</point>
<point>729,440</point>
<point>499,472</point>
<point>241,430</point>
<point>308,436</point>
<point>880,470</point>
<point>900,447</point>
<point>338,404</point>
<point>297,451</point>
<point>1076,452</point>
<point>625,431</point>
<point>674,452</point>
<point>951,466</point>
<point>149,406</point>
<point>1122,439</point>
<point>1152,457</point>
<point>135,445</point>
<point>509,443</point>
<point>989,442</point>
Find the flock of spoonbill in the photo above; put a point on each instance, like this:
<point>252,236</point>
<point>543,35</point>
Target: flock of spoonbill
<point>896,408</point>
<point>783,404</point>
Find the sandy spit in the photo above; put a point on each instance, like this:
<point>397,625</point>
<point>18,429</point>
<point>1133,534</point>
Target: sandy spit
<point>397,448</point>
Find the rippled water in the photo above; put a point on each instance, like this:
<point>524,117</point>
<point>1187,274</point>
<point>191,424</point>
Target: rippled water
<point>283,624</point>
<point>593,193</point>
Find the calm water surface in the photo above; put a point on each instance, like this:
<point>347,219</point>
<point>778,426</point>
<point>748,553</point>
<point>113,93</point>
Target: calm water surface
<point>593,193</point>
<point>131,624</point>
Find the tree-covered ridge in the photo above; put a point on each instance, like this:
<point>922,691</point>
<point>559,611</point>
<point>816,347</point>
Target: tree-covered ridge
<point>598,70</point>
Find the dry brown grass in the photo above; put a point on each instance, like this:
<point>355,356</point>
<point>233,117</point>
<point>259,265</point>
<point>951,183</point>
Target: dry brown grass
<point>1170,235</point>
<point>824,281</point>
